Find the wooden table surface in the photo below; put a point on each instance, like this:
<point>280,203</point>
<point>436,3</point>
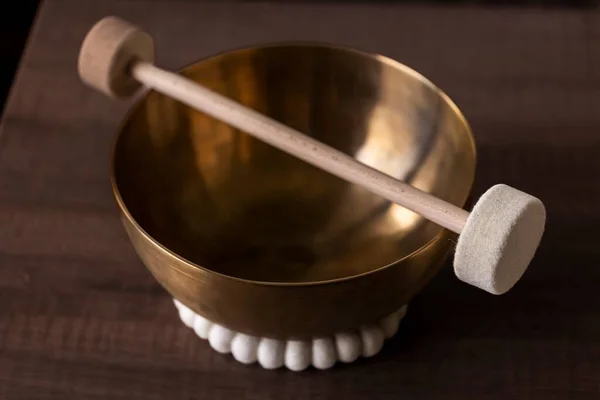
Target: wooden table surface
<point>81,318</point>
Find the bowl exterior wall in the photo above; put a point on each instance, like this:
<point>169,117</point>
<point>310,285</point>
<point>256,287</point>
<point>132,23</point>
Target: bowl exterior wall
<point>293,311</point>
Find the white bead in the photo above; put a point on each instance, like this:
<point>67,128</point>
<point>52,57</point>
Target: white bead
<point>245,348</point>
<point>323,353</point>
<point>220,338</point>
<point>187,316</point>
<point>202,326</point>
<point>349,347</point>
<point>390,324</point>
<point>372,340</point>
<point>271,353</point>
<point>298,355</point>
<point>177,303</point>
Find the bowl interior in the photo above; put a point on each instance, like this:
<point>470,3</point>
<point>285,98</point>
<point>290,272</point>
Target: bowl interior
<point>227,202</point>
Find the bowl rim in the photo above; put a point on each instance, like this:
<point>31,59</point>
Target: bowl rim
<point>141,97</point>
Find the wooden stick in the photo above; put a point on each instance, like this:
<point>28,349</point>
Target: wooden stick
<point>300,145</point>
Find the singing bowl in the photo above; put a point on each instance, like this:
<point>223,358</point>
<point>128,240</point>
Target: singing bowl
<point>265,244</point>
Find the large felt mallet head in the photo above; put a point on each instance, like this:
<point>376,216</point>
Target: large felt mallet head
<point>497,240</point>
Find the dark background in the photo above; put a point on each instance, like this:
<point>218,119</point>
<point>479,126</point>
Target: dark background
<point>14,28</point>
<point>16,21</point>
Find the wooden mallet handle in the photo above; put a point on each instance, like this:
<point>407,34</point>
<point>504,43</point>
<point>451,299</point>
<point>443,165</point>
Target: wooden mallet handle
<point>299,145</point>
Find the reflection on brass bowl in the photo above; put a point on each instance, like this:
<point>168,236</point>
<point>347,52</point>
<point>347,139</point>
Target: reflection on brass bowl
<point>265,244</point>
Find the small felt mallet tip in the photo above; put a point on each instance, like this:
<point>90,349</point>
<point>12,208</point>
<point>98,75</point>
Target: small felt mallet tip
<point>107,52</point>
<point>499,239</point>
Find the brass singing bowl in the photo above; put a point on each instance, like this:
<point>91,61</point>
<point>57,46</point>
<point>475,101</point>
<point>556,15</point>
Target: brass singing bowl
<point>263,243</point>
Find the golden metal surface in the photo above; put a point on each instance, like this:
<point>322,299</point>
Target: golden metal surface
<point>263,243</point>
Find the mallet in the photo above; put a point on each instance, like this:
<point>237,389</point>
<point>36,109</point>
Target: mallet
<point>497,239</point>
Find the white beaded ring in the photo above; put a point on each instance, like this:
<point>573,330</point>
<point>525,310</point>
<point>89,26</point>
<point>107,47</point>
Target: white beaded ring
<point>321,352</point>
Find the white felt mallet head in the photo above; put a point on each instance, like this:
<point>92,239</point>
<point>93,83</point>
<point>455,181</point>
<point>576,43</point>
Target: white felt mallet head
<point>497,240</point>
<point>108,51</point>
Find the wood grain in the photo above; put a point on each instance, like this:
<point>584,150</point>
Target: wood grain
<point>81,318</point>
